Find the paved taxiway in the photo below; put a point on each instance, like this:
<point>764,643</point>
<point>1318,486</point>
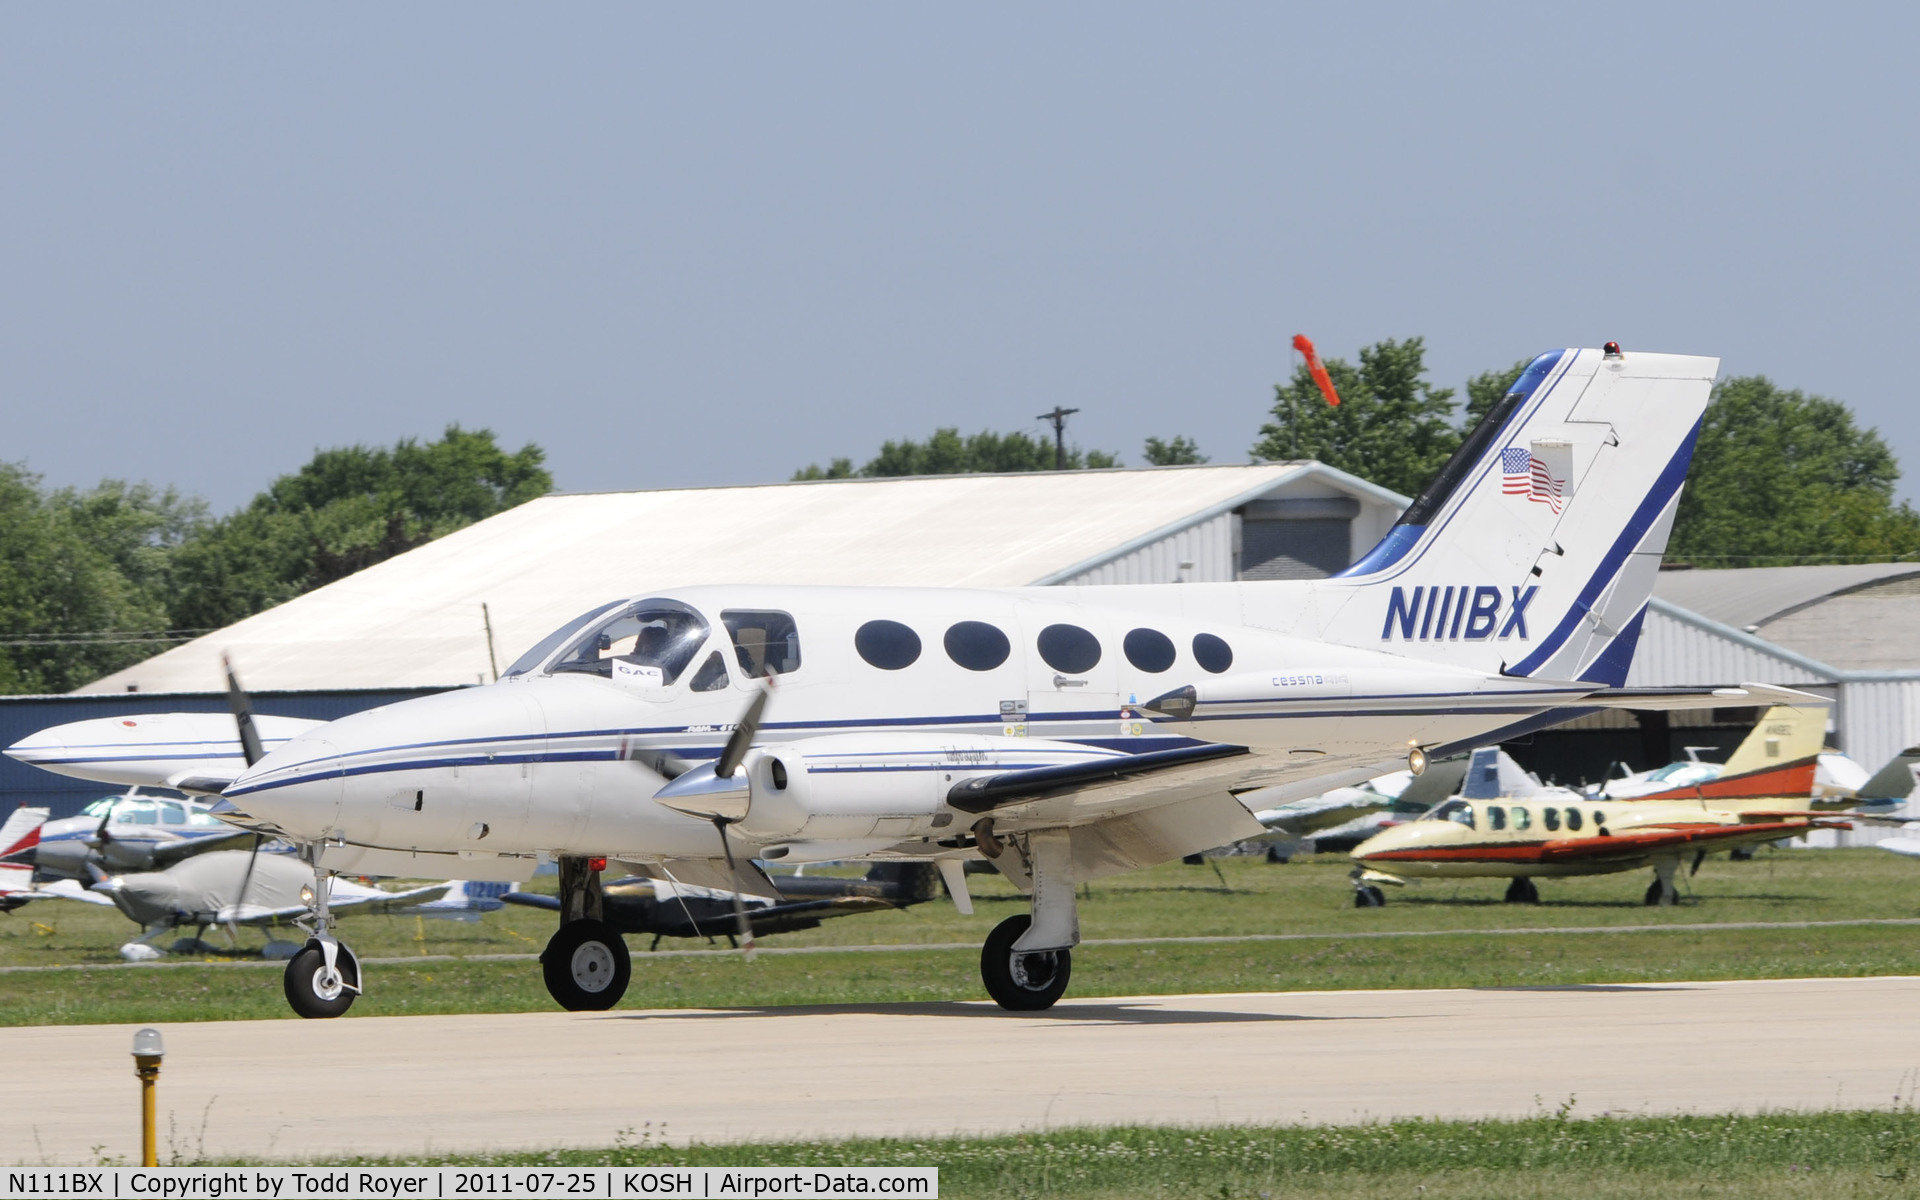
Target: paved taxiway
<point>404,1085</point>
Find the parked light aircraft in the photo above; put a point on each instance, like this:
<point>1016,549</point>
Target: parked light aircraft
<point>1506,824</point>
<point>1064,732</point>
<point>234,887</point>
<point>131,832</point>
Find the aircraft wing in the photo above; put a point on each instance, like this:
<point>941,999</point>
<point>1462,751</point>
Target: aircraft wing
<point>346,897</point>
<point>59,889</point>
<point>1747,695</point>
<point>1704,837</point>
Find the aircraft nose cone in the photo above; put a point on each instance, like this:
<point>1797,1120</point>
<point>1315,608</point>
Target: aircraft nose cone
<point>296,787</point>
<point>37,748</point>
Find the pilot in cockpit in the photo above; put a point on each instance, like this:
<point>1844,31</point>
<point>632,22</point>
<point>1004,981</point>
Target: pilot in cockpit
<point>650,647</point>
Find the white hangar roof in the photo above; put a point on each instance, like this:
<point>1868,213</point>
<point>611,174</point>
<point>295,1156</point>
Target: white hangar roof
<point>414,621</point>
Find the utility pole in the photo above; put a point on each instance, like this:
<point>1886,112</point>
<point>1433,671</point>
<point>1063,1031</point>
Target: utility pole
<point>1059,418</point>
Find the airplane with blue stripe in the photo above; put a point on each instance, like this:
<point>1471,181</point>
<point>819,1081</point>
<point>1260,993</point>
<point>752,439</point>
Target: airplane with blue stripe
<point>1065,733</point>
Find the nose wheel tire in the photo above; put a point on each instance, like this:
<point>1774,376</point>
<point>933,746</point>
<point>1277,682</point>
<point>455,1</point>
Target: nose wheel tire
<point>586,966</point>
<point>1369,897</point>
<point>1022,982</point>
<point>312,991</point>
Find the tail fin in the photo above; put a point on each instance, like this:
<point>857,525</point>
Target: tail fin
<point>1894,781</point>
<point>22,829</point>
<point>1778,758</point>
<point>1493,774</point>
<point>1534,551</point>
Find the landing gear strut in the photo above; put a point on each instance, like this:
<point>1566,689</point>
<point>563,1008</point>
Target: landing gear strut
<point>323,979</point>
<point>1028,959</point>
<point>586,965</point>
<point>1522,891</point>
<point>1661,891</point>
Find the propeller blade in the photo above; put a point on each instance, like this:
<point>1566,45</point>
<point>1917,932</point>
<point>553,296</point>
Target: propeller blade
<point>741,921</point>
<point>743,733</point>
<point>242,707</point>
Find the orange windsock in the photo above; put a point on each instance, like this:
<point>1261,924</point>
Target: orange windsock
<point>1304,345</point>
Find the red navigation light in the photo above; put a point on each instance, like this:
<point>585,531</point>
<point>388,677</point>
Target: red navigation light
<point>1613,350</point>
<point>596,864</point>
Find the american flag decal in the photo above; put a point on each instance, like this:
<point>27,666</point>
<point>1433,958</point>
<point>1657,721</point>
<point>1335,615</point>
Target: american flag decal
<point>1515,471</point>
<point>1524,473</point>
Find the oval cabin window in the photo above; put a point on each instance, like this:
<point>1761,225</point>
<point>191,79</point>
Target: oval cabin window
<point>1069,649</point>
<point>1212,653</point>
<point>1149,649</point>
<point>888,645</point>
<point>977,646</point>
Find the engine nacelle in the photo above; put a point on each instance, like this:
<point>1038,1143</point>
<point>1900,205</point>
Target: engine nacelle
<point>857,785</point>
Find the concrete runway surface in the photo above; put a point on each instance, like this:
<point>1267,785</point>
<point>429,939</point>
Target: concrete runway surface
<point>407,1085</point>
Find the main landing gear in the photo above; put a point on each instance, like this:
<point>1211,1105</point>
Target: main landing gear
<point>1028,960</point>
<point>1661,891</point>
<point>1522,891</point>
<point>585,964</point>
<point>324,977</point>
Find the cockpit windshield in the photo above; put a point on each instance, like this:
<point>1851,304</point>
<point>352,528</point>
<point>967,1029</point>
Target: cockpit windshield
<point>542,649</point>
<point>646,643</point>
<point>1457,811</point>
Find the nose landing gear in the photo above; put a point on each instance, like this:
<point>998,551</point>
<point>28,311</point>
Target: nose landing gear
<point>323,979</point>
<point>585,964</point>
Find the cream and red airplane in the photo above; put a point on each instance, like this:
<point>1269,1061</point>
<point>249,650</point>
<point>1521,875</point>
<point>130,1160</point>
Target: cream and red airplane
<point>1064,732</point>
<point>1506,825</point>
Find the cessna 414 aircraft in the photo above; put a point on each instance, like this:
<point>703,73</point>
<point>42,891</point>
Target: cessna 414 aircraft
<point>1063,732</point>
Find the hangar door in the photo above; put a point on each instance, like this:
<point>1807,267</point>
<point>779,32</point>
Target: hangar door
<point>1300,538</point>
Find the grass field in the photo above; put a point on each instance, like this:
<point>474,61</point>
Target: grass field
<point>1552,1155</point>
<point>1247,896</point>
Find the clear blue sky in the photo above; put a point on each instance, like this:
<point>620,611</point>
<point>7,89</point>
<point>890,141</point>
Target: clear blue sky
<point>699,244</point>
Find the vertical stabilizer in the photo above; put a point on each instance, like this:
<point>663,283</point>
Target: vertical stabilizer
<point>1534,551</point>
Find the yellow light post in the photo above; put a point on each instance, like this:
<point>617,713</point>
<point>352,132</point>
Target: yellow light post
<point>147,1051</point>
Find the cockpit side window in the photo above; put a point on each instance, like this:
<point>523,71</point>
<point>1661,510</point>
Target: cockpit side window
<point>1457,811</point>
<point>712,675</point>
<point>646,642</point>
<point>1496,817</point>
<point>172,814</point>
<point>765,643</point>
<point>542,649</point>
<point>136,812</point>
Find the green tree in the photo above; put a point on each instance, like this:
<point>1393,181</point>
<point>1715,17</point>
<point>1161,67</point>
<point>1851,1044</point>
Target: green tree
<point>948,453</point>
<point>1391,427</point>
<point>83,578</point>
<point>1485,390</point>
<point>1180,452</point>
<point>1780,477</point>
<point>346,510</point>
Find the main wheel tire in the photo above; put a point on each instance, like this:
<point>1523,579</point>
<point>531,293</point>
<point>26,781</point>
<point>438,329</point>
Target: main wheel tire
<point>586,966</point>
<point>1522,891</point>
<point>309,992</point>
<point>1274,855</point>
<point>1369,897</point>
<point>1656,895</point>
<point>1022,982</point>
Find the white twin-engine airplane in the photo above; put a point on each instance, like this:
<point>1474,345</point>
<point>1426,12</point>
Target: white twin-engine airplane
<point>1065,733</point>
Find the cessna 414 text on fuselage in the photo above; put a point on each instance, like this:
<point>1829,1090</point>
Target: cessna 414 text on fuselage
<point>1064,732</point>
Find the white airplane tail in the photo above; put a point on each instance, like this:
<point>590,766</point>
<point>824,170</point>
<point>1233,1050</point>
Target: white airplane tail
<point>20,832</point>
<point>1493,774</point>
<point>1534,551</point>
